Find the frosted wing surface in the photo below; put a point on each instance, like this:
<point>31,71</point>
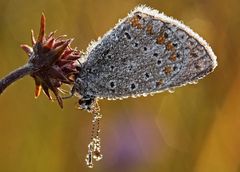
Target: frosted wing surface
<point>146,52</point>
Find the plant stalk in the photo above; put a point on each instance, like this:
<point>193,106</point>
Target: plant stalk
<point>15,75</point>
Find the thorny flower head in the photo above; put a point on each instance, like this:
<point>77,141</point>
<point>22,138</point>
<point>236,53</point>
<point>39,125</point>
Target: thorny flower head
<point>54,62</point>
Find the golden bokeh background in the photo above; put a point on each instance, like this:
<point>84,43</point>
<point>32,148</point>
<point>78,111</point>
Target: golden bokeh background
<point>195,129</point>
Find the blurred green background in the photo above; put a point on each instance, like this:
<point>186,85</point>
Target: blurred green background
<point>196,129</point>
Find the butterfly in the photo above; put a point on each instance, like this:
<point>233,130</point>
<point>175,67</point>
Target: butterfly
<point>147,52</point>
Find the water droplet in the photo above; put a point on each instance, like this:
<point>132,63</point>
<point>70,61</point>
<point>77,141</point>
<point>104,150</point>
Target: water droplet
<point>89,160</point>
<point>97,155</point>
<point>194,82</point>
<point>171,90</point>
<point>145,94</point>
<point>152,94</point>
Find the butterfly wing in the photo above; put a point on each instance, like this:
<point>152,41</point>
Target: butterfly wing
<point>147,52</point>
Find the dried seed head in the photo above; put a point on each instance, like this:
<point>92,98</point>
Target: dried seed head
<point>54,61</point>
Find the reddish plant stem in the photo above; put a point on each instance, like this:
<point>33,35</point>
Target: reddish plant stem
<point>15,75</point>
